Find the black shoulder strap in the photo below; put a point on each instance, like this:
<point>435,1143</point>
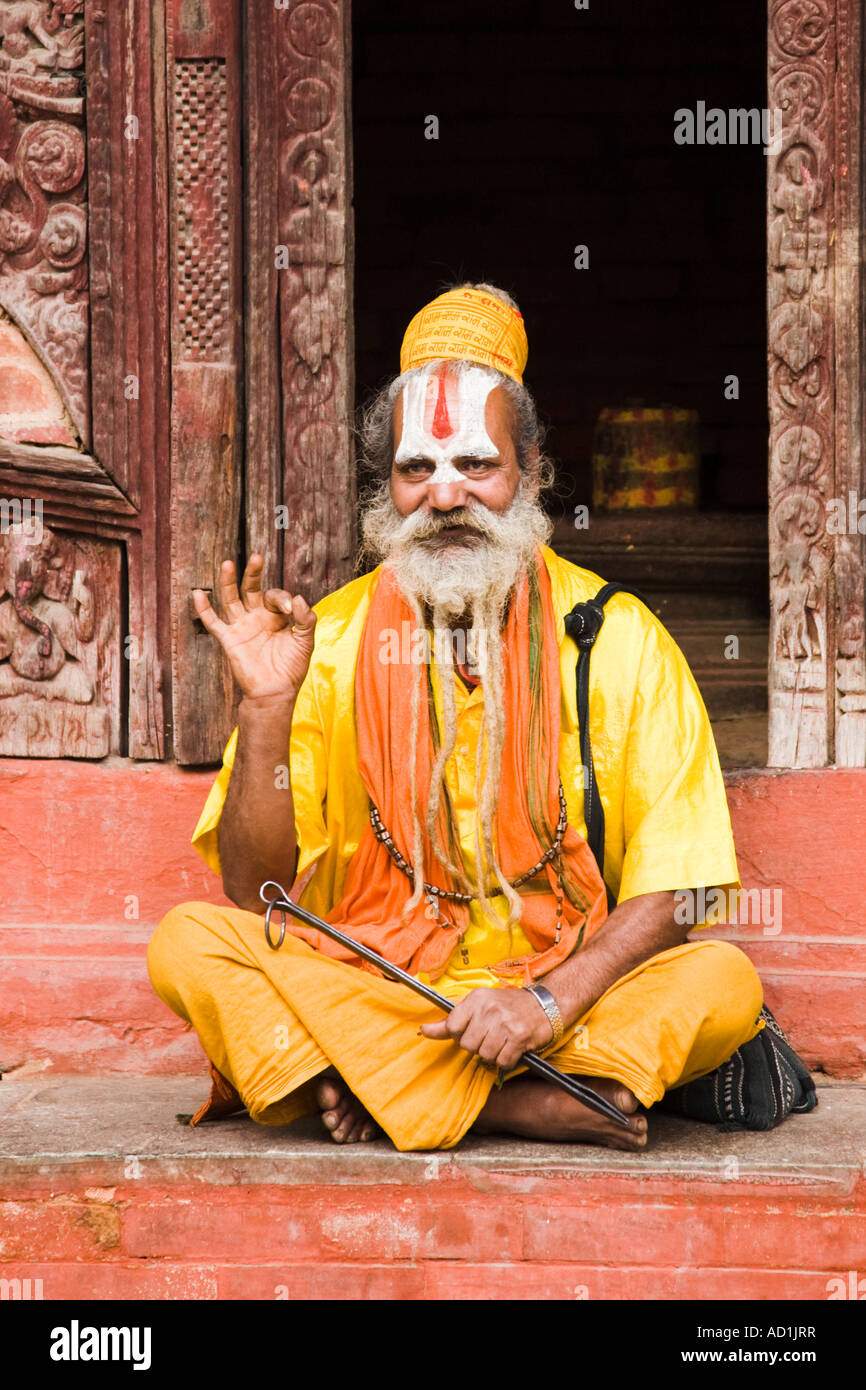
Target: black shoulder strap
<point>583,624</point>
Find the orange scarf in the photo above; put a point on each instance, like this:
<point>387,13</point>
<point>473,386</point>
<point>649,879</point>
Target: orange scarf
<point>376,890</point>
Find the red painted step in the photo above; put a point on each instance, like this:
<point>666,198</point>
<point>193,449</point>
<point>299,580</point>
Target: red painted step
<point>103,1194</point>
<point>94,855</point>
<point>81,997</point>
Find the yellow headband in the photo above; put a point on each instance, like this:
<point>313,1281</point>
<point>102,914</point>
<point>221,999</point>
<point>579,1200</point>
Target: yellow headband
<point>467,323</point>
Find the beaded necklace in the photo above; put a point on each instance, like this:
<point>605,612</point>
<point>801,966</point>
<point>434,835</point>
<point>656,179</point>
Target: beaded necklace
<point>434,895</point>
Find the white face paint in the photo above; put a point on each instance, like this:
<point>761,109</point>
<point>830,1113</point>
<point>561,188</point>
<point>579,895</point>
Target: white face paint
<point>443,419</point>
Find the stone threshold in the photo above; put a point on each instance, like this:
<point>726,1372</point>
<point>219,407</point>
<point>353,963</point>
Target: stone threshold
<point>55,1129</point>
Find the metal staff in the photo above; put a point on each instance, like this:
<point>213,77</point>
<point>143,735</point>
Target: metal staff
<point>591,1099</point>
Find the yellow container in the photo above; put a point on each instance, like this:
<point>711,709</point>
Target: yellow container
<point>645,458</point>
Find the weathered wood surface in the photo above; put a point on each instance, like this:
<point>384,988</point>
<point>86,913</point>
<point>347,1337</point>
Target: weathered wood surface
<point>265,124</point>
<point>129,311</point>
<point>204,104</point>
<point>80,282</point>
<point>848,560</point>
<point>43,285</point>
<point>816,670</point>
<point>312,41</point>
<point>53,459</point>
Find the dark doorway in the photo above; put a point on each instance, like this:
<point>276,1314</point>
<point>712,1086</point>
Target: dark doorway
<point>556,129</point>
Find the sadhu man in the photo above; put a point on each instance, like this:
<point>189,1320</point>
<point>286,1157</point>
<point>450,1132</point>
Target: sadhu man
<point>407,756</point>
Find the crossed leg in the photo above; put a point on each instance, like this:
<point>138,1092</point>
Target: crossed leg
<point>295,1032</point>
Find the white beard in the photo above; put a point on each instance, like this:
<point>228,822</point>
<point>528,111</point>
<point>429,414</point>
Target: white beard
<point>466,583</point>
<point>450,577</point>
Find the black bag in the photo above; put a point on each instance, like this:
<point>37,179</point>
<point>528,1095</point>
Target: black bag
<point>765,1080</point>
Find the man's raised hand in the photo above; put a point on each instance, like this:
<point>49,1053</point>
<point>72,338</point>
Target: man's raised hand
<point>268,638</point>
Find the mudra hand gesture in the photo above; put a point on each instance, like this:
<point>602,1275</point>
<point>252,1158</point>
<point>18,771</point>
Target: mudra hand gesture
<point>268,638</point>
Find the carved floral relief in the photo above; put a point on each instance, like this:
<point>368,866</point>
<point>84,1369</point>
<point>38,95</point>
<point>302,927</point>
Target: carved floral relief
<point>43,215</point>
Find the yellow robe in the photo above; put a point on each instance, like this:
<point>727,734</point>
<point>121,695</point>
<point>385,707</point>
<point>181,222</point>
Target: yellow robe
<point>270,1021</point>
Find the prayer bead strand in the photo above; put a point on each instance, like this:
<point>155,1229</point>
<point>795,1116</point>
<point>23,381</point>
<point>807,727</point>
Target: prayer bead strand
<point>433,893</point>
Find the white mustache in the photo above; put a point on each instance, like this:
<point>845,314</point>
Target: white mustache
<point>419,526</point>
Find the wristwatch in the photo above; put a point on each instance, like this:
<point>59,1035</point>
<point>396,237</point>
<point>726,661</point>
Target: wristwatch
<point>551,1008</point>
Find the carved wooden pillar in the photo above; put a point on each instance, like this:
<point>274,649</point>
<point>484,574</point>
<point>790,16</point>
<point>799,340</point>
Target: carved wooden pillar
<point>817,674</point>
<point>299,294</point>
<point>205,201</point>
<point>850,221</point>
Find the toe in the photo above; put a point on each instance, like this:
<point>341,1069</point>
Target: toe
<point>640,1129</point>
<point>624,1100</point>
<point>328,1095</point>
<point>344,1128</point>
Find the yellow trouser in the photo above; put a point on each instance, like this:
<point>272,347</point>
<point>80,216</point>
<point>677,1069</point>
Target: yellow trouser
<point>270,1021</point>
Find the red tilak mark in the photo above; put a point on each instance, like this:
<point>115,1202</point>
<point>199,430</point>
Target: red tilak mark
<point>441,427</point>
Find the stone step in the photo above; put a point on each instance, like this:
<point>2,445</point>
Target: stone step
<point>80,998</point>
<point>103,1194</point>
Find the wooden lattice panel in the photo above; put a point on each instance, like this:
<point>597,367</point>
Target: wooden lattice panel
<point>203,311</point>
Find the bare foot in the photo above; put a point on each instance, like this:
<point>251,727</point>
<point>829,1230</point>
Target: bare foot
<point>539,1110</point>
<point>342,1113</point>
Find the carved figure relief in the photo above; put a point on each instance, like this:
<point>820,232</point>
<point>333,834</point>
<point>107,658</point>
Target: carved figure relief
<point>43,222</point>
<point>800,570</point>
<point>47,615</point>
<point>315,239</point>
<point>849,605</point>
<point>52,649</point>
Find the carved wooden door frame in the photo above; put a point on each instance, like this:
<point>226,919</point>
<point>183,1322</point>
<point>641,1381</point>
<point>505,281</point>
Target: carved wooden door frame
<point>297,247</point>
<point>817,660</point>
<point>300,285</point>
<point>177,200</point>
<point>287,371</point>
